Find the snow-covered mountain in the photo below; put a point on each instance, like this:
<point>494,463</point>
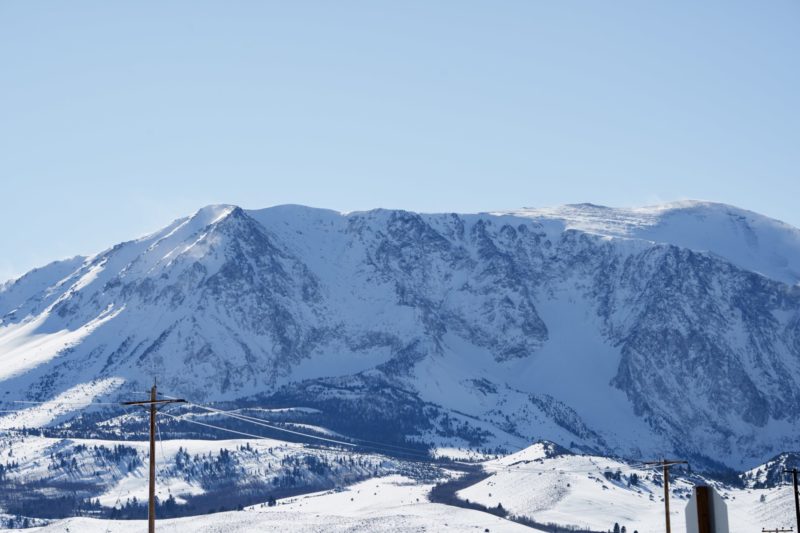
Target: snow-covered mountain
<point>620,331</point>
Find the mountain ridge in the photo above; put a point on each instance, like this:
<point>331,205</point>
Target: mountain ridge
<point>507,328</point>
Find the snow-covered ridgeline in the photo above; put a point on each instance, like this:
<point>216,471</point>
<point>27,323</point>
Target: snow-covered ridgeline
<point>584,325</point>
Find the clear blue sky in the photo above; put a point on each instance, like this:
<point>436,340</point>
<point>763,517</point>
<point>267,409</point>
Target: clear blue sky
<point>117,117</point>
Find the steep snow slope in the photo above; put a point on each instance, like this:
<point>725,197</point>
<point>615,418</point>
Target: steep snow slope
<point>587,326</point>
<point>36,282</point>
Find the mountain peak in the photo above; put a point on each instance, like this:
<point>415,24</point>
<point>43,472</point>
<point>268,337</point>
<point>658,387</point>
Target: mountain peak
<point>214,213</point>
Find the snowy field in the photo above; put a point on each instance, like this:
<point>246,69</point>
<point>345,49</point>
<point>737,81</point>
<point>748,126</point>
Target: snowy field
<point>393,503</point>
<point>576,490</point>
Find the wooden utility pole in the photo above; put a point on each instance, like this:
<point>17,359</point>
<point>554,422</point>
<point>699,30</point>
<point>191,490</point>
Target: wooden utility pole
<point>665,464</point>
<point>793,471</point>
<point>153,402</point>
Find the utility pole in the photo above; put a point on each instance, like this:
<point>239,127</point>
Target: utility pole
<point>793,471</point>
<point>153,402</point>
<point>665,464</point>
<point>777,530</point>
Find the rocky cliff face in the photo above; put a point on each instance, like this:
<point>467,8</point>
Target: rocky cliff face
<point>599,329</point>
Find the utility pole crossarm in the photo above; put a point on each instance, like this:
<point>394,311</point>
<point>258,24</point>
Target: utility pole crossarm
<point>777,530</point>
<point>157,402</point>
<point>666,462</point>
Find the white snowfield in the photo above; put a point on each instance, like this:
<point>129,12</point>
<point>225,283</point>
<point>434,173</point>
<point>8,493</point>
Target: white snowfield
<point>572,491</point>
<point>575,491</point>
<point>745,238</point>
<point>392,503</point>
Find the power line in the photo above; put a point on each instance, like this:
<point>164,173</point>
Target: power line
<point>261,437</point>
<point>163,455</point>
<point>235,432</point>
<point>260,420</point>
<point>270,426</point>
<point>58,402</point>
<point>388,448</point>
<point>376,446</point>
<point>349,450</point>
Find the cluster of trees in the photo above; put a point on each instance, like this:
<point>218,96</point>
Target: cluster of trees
<point>208,469</point>
<point>633,479</point>
<point>308,469</point>
<point>63,461</point>
<point>16,522</point>
<point>41,503</point>
<point>117,454</point>
<point>135,509</point>
<point>8,467</point>
<point>475,436</point>
<point>226,467</point>
<point>67,460</point>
